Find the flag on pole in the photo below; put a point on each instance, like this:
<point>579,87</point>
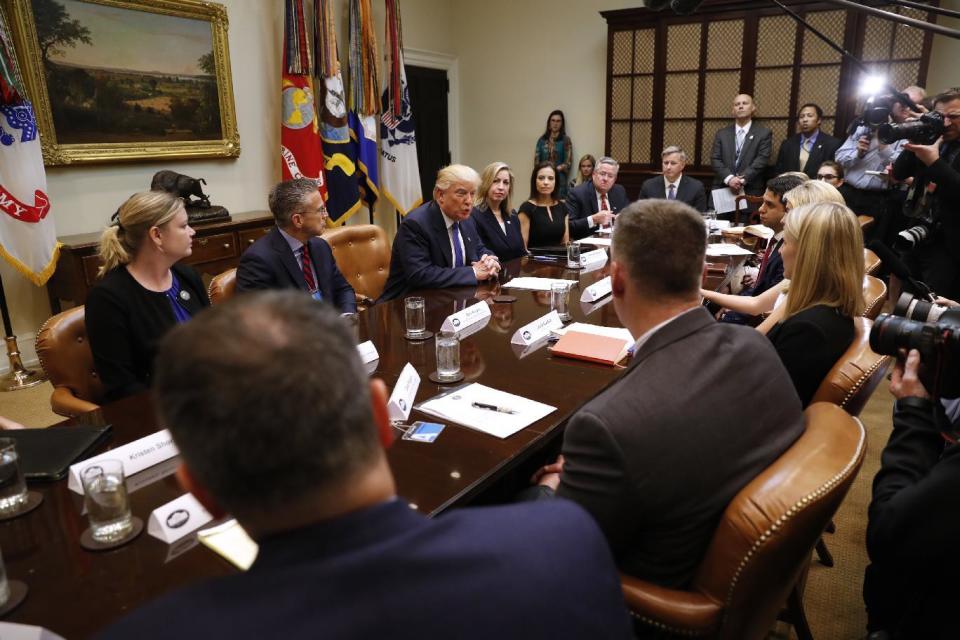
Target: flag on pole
<point>339,155</point>
<point>400,182</point>
<point>300,148</point>
<point>28,240</point>
<point>364,98</point>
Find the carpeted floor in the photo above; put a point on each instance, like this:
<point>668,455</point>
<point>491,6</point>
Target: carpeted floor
<point>30,407</point>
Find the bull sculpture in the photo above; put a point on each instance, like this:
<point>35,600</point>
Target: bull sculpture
<point>186,188</point>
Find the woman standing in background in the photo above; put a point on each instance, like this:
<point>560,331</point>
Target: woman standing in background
<point>554,146</point>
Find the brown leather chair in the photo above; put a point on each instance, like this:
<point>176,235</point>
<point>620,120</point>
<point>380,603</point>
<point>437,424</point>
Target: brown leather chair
<point>222,287</point>
<point>362,253</point>
<point>871,262</point>
<point>753,202</point>
<point>852,380</point>
<point>763,541</point>
<point>874,295</point>
<point>67,360</point>
<point>866,223</point>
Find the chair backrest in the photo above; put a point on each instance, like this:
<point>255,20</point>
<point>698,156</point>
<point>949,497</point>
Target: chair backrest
<point>856,374</point>
<point>362,253</point>
<point>768,530</point>
<point>871,262</point>
<point>874,295</point>
<point>66,357</point>
<point>222,287</point>
<point>866,223</point>
<point>754,202</point>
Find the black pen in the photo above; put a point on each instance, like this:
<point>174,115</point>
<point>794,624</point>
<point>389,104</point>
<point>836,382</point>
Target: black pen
<point>491,407</point>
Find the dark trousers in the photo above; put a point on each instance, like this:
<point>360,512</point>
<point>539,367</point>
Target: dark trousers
<point>866,202</point>
<point>938,266</point>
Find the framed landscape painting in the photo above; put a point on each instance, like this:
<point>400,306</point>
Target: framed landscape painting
<point>127,80</point>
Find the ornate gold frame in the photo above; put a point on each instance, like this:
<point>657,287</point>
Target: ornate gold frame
<point>54,153</point>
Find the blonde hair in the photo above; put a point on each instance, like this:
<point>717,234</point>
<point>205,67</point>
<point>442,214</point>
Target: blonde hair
<point>486,181</point>
<point>812,192</point>
<point>455,174</point>
<point>829,264</point>
<point>135,217</point>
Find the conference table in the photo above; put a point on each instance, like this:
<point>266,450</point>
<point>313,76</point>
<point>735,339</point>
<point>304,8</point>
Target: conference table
<point>75,592</point>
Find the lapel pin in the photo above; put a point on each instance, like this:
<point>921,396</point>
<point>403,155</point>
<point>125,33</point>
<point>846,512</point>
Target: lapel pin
<point>184,295</point>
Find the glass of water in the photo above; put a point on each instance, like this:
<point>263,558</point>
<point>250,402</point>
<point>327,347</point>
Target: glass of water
<point>13,487</point>
<point>448,355</point>
<point>710,222</point>
<point>415,317</point>
<point>573,255</point>
<point>105,497</point>
<point>560,300</point>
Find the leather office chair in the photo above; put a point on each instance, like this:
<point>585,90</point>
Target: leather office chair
<point>874,295</point>
<point>852,380</point>
<point>222,287</point>
<point>362,253</point>
<point>753,203</point>
<point>866,223</point>
<point>871,262</point>
<point>67,360</point>
<point>763,541</point>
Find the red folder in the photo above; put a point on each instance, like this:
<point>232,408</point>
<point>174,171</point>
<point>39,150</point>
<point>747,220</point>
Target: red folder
<point>592,347</point>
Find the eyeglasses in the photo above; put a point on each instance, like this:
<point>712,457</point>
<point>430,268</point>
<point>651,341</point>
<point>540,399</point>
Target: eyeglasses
<point>605,174</point>
<point>827,176</point>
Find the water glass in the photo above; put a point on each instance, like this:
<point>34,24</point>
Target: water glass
<point>448,355</point>
<point>573,255</point>
<point>710,222</point>
<point>560,299</point>
<point>105,497</point>
<point>415,316</point>
<point>13,486</point>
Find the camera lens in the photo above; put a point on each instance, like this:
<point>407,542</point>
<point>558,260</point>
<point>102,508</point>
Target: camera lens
<point>913,308</point>
<point>910,238</point>
<point>890,334</point>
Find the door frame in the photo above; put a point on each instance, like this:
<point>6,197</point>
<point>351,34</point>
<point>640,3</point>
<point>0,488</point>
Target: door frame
<point>450,64</point>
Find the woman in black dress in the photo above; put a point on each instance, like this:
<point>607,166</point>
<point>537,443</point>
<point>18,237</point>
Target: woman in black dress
<point>498,224</point>
<point>543,218</point>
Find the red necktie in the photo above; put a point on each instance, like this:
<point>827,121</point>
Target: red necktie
<point>766,258</point>
<point>603,202</point>
<point>307,270</point>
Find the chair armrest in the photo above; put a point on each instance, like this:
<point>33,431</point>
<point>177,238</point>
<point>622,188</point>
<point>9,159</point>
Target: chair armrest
<point>64,403</point>
<point>679,611</point>
<point>364,301</point>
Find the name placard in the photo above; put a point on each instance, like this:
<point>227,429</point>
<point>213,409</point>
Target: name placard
<point>401,400</point>
<point>135,456</point>
<point>593,259</point>
<point>368,352</point>
<point>14,631</point>
<point>462,319</point>
<point>537,330</point>
<point>177,518</point>
<point>599,289</point>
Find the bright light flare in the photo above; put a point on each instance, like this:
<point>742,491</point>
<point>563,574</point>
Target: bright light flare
<point>872,85</point>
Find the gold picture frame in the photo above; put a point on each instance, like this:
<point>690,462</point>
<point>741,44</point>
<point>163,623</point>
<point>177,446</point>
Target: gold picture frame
<point>165,109</point>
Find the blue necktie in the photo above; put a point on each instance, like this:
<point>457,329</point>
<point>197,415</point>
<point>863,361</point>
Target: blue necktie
<point>457,251</point>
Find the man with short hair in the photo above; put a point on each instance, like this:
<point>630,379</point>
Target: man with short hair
<point>742,150</point>
<point>595,203</point>
<point>296,455</point>
<point>657,456</point>
<point>292,255</point>
<point>807,150</point>
<point>437,245</point>
<point>673,185</point>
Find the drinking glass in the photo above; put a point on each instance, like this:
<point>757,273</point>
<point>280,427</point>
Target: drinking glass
<point>448,355</point>
<point>559,299</point>
<point>415,316</point>
<point>13,487</point>
<point>573,255</point>
<point>105,497</point>
<point>710,222</point>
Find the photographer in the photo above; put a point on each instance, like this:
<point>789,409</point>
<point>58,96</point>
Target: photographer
<point>935,197</point>
<point>914,519</point>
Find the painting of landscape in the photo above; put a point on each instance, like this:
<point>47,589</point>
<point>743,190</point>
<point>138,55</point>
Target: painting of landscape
<point>126,75</point>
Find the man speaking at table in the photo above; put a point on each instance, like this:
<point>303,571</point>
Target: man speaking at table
<point>595,203</point>
<point>437,245</point>
<point>297,456</point>
<point>701,410</point>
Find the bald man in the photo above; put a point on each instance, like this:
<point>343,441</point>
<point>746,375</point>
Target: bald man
<point>742,151</point>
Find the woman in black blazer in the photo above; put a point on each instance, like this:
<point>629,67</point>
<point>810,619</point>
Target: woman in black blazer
<point>823,260</point>
<point>497,223</point>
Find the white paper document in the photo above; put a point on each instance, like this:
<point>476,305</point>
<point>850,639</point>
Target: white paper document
<point>476,406</point>
<point>535,284</point>
<point>597,242</point>
<point>725,201</point>
<point>598,330</point>
<point>232,543</point>
<point>759,230</point>
<point>724,249</point>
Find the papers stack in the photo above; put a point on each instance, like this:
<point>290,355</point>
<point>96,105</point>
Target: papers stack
<point>460,406</point>
<point>597,242</point>
<point>598,330</point>
<point>535,284</point>
<point>723,249</point>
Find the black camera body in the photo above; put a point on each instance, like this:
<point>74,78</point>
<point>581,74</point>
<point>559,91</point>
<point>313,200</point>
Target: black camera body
<point>925,130</point>
<point>915,236</point>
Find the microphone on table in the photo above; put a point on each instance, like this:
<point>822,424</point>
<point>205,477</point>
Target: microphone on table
<point>896,266</point>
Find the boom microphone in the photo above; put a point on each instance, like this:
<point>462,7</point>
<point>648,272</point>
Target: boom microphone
<point>893,262</point>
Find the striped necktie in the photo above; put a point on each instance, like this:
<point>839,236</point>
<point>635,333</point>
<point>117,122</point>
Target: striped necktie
<point>307,269</point>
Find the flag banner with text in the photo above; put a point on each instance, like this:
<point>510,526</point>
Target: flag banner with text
<point>363,98</point>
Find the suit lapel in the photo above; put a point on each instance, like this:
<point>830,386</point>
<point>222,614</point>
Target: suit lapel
<point>295,270</point>
<point>440,233</point>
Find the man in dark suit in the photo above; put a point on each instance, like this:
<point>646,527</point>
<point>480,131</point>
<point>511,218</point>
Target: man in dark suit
<point>807,150</point>
<point>307,477</point>
<point>437,245</point>
<point>595,203</point>
<point>673,185</point>
<point>291,255</point>
<point>657,456</point>
<point>742,150</point>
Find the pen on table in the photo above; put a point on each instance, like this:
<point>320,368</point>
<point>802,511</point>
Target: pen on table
<point>491,407</point>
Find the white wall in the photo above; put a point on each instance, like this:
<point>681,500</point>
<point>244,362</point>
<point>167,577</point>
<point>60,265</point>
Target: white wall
<point>945,54</point>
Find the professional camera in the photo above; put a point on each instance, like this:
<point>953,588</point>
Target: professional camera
<point>913,237</point>
<point>876,110</point>
<point>911,307</point>
<point>924,130</point>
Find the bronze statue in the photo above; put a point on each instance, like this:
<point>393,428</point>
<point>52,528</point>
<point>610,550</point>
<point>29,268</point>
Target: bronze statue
<point>185,187</point>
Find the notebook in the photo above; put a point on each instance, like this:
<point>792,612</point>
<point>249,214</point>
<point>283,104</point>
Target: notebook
<point>591,347</point>
<point>46,454</point>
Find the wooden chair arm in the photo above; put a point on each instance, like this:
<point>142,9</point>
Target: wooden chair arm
<point>678,611</point>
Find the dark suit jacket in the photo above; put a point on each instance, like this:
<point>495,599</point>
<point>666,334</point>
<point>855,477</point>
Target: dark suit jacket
<point>788,159</point>
<point>809,344</point>
<point>771,277</point>
<point>754,156</point>
<point>582,202</point>
<point>270,264</point>
<point>690,191</point>
<point>507,245</point>
<point>539,570</point>
<point>657,456</point>
<point>422,258</point>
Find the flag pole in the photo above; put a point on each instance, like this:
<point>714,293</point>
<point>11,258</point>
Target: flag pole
<point>19,376</point>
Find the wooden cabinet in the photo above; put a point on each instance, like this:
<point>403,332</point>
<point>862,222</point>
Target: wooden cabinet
<point>216,248</point>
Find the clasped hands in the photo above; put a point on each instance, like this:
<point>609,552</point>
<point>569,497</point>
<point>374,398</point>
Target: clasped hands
<point>486,267</point>
<point>549,474</point>
<point>736,183</point>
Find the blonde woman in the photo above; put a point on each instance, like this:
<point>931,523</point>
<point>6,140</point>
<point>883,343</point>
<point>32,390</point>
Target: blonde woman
<point>143,292</point>
<point>584,171</point>
<point>498,224</point>
<point>811,192</point>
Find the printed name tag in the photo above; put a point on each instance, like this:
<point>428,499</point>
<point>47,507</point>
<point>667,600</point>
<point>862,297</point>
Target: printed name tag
<point>597,290</point>
<point>401,400</point>
<point>135,456</point>
<point>177,518</point>
<point>537,330</point>
<point>368,352</point>
<point>463,319</point>
<point>597,257</point>
<point>14,631</point>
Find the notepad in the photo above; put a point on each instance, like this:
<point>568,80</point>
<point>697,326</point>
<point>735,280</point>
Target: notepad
<point>591,347</point>
<point>535,284</point>
<point>458,405</point>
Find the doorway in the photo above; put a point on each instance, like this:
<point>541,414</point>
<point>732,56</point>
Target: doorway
<point>429,89</point>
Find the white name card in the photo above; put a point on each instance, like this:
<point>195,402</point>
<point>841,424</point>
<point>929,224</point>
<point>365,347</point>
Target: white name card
<point>538,329</point>
<point>463,319</point>
<point>135,456</point>
<point>368,352</point>
<point>595,258</point>
<point>401,400</point>
<point>177,518</point>
<point>14,631</point>
<point>599,289</point>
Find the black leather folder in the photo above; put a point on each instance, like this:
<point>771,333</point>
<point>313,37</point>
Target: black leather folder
<point>46,454</point>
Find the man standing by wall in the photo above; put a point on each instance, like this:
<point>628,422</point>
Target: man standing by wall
<point>742,150</point>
